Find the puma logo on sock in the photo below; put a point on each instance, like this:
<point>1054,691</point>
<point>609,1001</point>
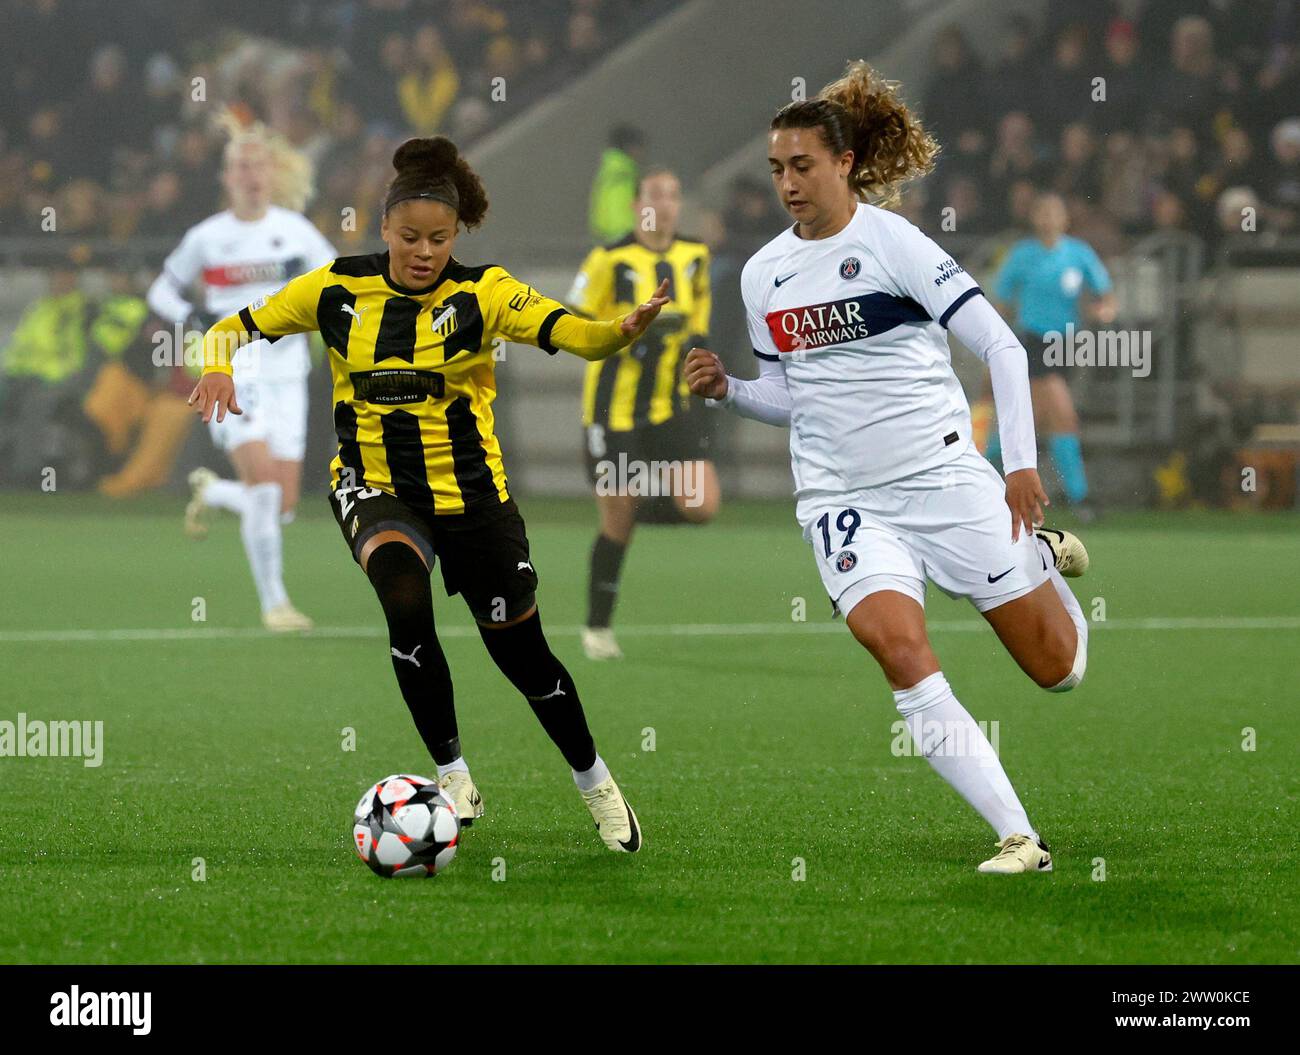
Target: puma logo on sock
<point>550,695</point>
<point>411,658</point>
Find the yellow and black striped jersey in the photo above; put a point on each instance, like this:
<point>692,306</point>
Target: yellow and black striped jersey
<point>413,370</point>
<point>643,383</point>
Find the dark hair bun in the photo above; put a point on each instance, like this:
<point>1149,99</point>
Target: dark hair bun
<point>425,167</point>
<point>431,156</point>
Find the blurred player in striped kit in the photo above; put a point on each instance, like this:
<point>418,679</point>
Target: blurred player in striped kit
<point>242,253</point>
<point>639,428</point>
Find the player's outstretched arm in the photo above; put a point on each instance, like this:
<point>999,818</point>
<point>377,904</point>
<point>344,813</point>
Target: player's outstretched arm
<point>638,320</point>
<point>594,341</point>
<point>215,391</point>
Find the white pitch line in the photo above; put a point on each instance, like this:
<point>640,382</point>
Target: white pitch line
<point>1272,622</point>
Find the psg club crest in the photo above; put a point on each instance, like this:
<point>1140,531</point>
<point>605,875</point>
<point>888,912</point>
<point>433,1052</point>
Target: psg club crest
<point>848,560</point>
<point>850,268</point>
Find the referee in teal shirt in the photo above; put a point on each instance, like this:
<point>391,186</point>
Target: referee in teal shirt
<point>1039,286</point>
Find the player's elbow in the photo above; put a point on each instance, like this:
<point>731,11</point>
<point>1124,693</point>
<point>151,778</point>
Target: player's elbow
<point>1005,349</point>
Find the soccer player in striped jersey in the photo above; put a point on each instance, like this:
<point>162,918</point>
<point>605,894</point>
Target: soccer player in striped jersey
<point>646,450</point>
<point>419,477</point>
<point>849,310</point>
<point>248,250</point>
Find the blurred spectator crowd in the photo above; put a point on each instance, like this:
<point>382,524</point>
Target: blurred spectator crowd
<point>114,127</point>
<point>106,110</point>
<point>1145,115</point>
<point>1200,119</point>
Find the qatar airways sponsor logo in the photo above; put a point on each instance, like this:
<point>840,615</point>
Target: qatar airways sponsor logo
<point>818,325</point>
<point>246,273</point>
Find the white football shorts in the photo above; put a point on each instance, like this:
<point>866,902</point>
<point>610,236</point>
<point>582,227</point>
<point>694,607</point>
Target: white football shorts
<point>949,524</point>
<point>274,412</point>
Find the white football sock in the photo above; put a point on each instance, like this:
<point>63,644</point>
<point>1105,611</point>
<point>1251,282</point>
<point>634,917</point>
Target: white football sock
<point>260,528</point>
<point>597,774</point>
<point>457,765</point>
<point>960,753</point>
<point>1077,617</point>
<point>226,494</point>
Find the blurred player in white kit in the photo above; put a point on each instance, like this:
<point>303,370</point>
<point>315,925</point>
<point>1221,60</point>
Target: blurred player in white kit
<point>241,254</point>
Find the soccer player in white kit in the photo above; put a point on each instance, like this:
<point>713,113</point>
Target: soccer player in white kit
<point>848,313</point>
<point>246,252</point>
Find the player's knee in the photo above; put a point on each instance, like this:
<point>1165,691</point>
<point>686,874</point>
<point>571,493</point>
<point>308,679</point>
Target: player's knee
<point>618,518</point>
<point>262,513</point>
<point>700,513</point>
<point>897,647</point>
<point>405,603</point>
<point>1067,673</point>
<point>1070,681</point>
<point>266,495</point>
<point>401,582</point>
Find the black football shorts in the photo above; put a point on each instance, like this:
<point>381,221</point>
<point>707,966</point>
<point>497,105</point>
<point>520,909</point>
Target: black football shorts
<point>483,553</point>
<point>685,437</point>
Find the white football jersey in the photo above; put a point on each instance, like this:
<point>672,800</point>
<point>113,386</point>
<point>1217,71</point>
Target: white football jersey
<point>858,322</point>
<point>238,262</point>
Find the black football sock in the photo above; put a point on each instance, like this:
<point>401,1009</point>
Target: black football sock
<point>659,509</point>
<point>402,583</point>
<point>526,659</point>
<point>602,586</point>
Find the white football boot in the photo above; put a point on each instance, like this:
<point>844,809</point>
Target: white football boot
<point>459,787</point>
<point>615,820</point>
<point>285,618</point>
<point>599,643</point>
<point>1018,853</point>
<point>1068,552</point>
<point>196,511</point>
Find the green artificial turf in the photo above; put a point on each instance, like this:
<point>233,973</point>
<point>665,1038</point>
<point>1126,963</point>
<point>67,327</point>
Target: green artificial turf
<point>772,756</point>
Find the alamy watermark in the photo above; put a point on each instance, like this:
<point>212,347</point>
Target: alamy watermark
<point>75,1008</point>
<point>182,346</point>
<point>650,479</point>
<point>58,739</point>
<point>1127,348</point>
<point>949,739</point>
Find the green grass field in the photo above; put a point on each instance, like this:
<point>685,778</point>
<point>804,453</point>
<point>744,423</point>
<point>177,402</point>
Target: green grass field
<point>772,743</point>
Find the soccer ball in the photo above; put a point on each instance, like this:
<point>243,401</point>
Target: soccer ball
<point>405,826</point>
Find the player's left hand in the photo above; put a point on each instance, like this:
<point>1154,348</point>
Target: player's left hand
<point>1025,498</point>
<point>214,392</point>
<point>637,321</point>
